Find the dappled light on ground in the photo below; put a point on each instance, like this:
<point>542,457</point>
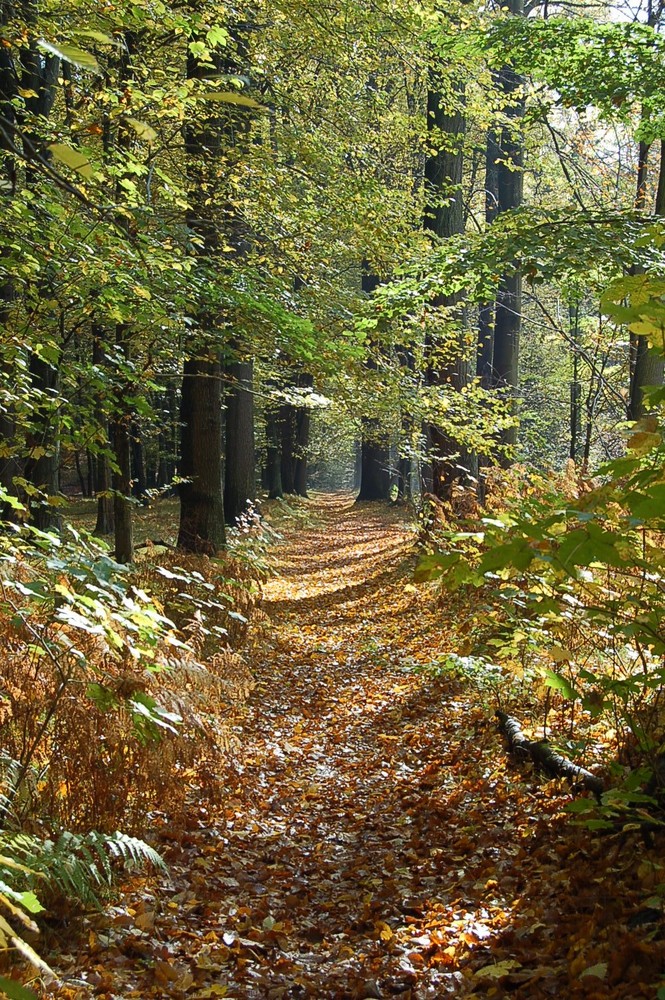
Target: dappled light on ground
<point>369,838</point>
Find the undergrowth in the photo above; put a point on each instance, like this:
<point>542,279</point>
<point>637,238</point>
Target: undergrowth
<point>564,579</point>
<point>117,687</point>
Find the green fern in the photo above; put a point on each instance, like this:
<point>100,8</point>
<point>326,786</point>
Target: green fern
<point>76,866</point>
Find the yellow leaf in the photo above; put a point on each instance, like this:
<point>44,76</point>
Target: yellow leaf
<point>143,130</point>
<point>71,158</point>
<point>497,971</point>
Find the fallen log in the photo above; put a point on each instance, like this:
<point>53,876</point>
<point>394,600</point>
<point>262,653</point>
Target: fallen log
<point>545,758</point>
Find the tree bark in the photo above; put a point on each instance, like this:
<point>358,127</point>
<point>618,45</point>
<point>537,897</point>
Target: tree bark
<point>201,500</point>
<point>240,464</point>
<point>105,524</point>
<point>486,312</point>
<point>444,218</point>
<point>273,454</point>
<point>42,465</point>
<point>303,417</point>
<point>510,186</point>
<point>122,475</point>
<point>374,463</point>
<point>375,445</point>
<point>647,367</point>
<point>545,757</point>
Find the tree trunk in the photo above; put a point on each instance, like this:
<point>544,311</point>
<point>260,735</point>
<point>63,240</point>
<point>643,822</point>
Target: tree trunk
<point>139,476</point>
<point>575,384</point>
<point>287,423</point>
<point>510,175</point>
<point>647,366</point>
<point>42,465</point>
<point>122,474</point>
<point>273,454</point>
<point>201,499</point>
<point>444,217</point>
<point>303,417</point>
<point>101,468</point>
<point>486,312</point>
<point>375,446</point>
<point>239,473</point>
<point>374,463</point>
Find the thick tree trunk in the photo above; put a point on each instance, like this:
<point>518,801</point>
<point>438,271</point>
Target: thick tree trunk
<point>287,424</point>
<point>240,463</point>
<point>201,501</point>
<point>303,419</point>
<point>510,178</point>
<point>42,465</point>
<point>273,454</point>
<point>374,463</point>
<point>444,218</point>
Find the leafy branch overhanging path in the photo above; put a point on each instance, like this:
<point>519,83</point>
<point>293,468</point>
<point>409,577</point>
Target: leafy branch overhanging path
<point>372,840</point>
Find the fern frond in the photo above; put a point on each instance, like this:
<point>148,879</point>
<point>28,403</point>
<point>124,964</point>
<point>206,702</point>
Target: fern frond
<point>77,866</point>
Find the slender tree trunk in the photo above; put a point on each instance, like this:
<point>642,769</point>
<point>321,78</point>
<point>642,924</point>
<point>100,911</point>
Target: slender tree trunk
<point>375,444</point>
<point>121,425</point>
<point>42,465</point>
<point>101,468</point>
<point>139,477</point>
<point>647,366</point>
<point>486,312</point>
<point>575,384</point>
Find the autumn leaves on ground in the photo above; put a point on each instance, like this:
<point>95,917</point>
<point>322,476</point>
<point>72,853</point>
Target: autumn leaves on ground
<point>369,837</point>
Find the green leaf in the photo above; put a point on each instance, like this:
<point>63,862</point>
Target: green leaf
<point>15,991</point>
<point>72,158</point>
<point>599,970</point>
<point>97,36</point>
<point>30,902</point>
<point>559,683</point>
<point>70,54</point>
<point>231,97</point>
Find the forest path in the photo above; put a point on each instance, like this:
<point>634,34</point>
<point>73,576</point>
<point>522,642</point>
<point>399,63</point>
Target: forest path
<point>336,806</point>
<point>372,839</point>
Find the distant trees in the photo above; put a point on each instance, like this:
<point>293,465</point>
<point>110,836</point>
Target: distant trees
<point>186,199</point>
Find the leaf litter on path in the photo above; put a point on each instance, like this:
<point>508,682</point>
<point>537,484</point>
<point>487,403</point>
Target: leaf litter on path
<point>372,840</point>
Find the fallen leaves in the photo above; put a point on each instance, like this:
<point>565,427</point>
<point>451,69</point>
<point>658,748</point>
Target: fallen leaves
<point>372,841</point>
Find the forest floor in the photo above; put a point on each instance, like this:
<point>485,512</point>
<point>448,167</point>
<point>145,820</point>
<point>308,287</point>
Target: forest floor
<point>372,838</point>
